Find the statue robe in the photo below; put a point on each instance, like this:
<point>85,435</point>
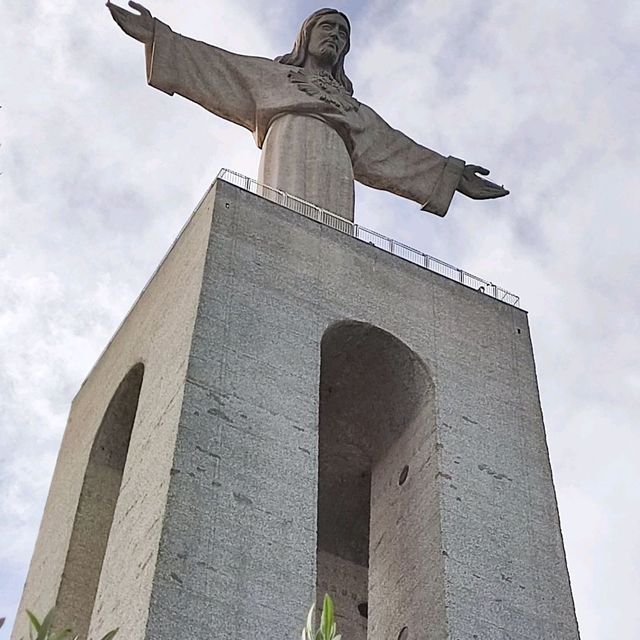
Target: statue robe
<point>315,138</point>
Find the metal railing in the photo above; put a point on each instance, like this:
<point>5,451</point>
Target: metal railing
<point>366,235</point>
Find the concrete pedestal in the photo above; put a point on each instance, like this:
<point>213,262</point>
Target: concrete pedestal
<point>309,411</point>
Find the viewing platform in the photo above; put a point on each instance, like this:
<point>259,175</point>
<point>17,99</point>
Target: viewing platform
<point>359,232</point>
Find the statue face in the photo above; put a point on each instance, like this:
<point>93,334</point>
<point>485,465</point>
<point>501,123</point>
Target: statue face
<point>328,38</point>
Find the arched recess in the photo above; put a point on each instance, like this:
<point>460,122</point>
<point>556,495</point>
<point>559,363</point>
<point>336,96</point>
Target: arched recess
<point>96,506</point>
<point>375,418</point>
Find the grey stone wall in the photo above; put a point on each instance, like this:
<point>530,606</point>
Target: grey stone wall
<point>216,528</point>
<point>479,543</point>
<point>156,332</point>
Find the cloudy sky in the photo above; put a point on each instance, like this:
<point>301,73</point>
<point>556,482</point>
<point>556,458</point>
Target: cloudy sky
<point>99,172</point>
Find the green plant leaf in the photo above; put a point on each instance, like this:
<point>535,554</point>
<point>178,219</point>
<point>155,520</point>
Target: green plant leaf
<point>308,630</point>
<point>327,625</point>
<point>35,623</point>
<point>110,635</point>
<point>45,627</point>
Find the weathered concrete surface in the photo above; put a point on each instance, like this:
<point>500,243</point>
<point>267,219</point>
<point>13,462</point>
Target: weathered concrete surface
<point>239,539</point>
<point>157,332</point>
<point>467,545</point>
<point>96,506</point>
<point>377,416</point>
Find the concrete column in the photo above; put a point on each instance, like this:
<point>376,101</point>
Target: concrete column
<point>316,414</point>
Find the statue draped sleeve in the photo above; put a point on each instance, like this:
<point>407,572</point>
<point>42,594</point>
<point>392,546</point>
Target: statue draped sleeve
<point>387,159</point>
<point>253,92</point>
<point>220,81</point>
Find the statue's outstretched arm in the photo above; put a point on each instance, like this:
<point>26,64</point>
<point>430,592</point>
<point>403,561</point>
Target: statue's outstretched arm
<point>220,81</point>
<point>477,188</point>
<point>385,158</point>
<point>137,25</point>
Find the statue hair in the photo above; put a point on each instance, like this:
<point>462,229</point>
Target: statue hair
<point>297,56</point>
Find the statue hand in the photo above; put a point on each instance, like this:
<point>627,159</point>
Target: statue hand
<point>473,186</point>
<point>138,26</point>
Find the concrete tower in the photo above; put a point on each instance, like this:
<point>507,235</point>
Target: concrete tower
<point>286,411</point>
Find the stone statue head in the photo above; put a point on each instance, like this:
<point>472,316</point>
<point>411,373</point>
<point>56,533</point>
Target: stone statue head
<point>299,53</point>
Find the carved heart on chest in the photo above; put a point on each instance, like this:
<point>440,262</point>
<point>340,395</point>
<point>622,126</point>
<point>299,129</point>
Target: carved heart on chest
<point>324,87</point>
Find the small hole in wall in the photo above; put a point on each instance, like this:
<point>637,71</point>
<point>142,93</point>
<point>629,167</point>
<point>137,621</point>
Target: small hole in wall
<point>363,609</point>
<point>403,475</point>
<point>404,634</point>
<point>519,330</point>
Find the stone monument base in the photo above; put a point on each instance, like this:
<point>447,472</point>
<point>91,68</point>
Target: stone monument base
<point>288,410</point>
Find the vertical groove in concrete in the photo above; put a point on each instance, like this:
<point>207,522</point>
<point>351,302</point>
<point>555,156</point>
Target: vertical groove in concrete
<point>377,518</point>
<point>96,506</point>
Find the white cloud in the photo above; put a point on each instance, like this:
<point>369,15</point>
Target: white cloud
<point>94,188</point>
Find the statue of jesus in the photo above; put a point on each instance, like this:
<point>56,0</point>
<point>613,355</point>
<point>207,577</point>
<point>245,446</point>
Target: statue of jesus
<point>316,138</point>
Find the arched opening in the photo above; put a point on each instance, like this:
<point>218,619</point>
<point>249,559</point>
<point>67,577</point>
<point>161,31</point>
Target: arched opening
<point>375,406</point>
<point>96,506</point>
